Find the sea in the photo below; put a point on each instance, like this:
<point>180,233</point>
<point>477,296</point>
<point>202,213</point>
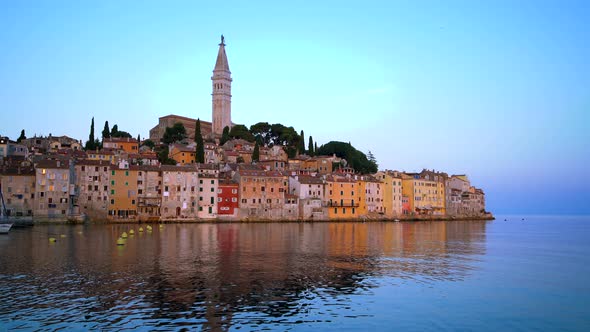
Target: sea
<point>515,273</point>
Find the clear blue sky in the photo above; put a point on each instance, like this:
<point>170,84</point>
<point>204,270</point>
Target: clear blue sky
<point>498,90</point>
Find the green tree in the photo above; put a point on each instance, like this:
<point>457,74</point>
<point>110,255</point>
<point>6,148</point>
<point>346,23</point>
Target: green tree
<point>301,146</point>
<point>224,136</point>
<point>241,132</point>
<point>256,152</point>
<point>262,132</point>
<point>175,133</point>
<point>22,136</point>
<point>356,159</point>
<point>315,148</point>
<point>91,143</point>
<point>310,147</point>
<point>372,159</point>
<point>149,143</point>
<point>115,129</point>
<point>163,156</point>
<point>200,149</point>
<point>106,132</point>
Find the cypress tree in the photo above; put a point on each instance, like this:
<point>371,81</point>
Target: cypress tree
<point>256,152</point>
<point>301,147</point>
<point>106,132</point>
<point>310,147</point>
<point>315,148</point>
<point>224,136</point>
<point>22,136</point>
<point>91,143</point>
<point>200,149</point>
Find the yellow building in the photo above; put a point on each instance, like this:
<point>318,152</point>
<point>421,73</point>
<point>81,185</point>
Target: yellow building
<point>123,193</point>
<point>182,154</point>
<point>392,193</point>
<point>426,192</point>
<point>104,155</point>
<point>343,197</point>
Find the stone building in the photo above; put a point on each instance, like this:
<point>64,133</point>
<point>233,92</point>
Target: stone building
<point>190,124</point>
<point>149,192</point>
<point>92,188</point>
<point>262,194</point>
<point>208,187</point>
<point>180,192</point>
<point>18,189</point>
<point>52,190</point>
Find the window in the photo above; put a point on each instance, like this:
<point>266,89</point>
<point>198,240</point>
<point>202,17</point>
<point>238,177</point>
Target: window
<point>212,190</point>
<point>212,200</point>
<point>210,210</point>
<point>112,172</point>
<point>133,201</point>
<point>234,199</point>
<point>112,201</point>
<point>112,182</point>
<point>212,181</point>
<point>219,200</point>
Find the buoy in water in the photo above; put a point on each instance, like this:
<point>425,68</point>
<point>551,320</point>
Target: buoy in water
<point>149,228</point>
<point>63,235</point>
<point>140,229</point>
<point>131,232</point>
<point>52,239</point>
<point>124,235</point>
<point>120,241</point>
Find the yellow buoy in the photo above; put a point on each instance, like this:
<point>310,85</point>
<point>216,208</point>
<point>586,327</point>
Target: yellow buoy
<point>120,241</point>
<point>124,235</point>
<point>131,232</point>
<point>63,235</point>
<point>149,228</point>
<point>140,229</point>
<point>52,239</point>
<point>161,225</point>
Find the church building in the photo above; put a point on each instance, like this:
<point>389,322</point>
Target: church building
<point>221,105</point>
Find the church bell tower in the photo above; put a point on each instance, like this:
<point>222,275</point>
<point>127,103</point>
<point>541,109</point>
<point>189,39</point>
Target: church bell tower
<point>221,92</point>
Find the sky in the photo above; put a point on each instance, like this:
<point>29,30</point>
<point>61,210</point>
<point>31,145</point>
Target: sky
<point>498,90</point>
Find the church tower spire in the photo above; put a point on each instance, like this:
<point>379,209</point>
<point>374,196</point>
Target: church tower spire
<point>221,92</point>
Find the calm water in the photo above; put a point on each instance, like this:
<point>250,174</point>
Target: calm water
<point>494,276</point>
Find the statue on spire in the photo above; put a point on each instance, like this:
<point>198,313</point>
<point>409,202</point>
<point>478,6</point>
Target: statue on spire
<point>222,41</point>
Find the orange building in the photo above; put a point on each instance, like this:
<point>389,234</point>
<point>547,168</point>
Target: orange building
<point>182,154</point>
<point>123,193</point>
<point>343,197</point>
<point>129,145</point>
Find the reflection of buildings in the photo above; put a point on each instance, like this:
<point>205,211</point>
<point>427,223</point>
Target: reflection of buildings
<point>216,274</point>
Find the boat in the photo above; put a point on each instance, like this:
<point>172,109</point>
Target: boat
<point>5,222</point>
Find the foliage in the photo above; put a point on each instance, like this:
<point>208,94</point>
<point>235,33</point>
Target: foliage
<point>241,132</point>
<point>91,143</point>
<point>175,133</point>
<point>163,156</point>
<point>310,147</point>
<point>355,158</point>
<point>149,143</point>
<point>200,149</point>
<point>372,159</point>
<point>106,132</point>
<point>301,146</point>
<point>256,152</point>
<point>22,136</point>
<point>262,132</point>
<point>224,136</point>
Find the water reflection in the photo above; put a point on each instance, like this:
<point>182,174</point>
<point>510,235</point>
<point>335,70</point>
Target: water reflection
<point>220,276</point>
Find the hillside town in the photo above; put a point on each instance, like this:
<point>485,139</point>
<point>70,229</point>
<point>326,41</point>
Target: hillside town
<point>207,174</point>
